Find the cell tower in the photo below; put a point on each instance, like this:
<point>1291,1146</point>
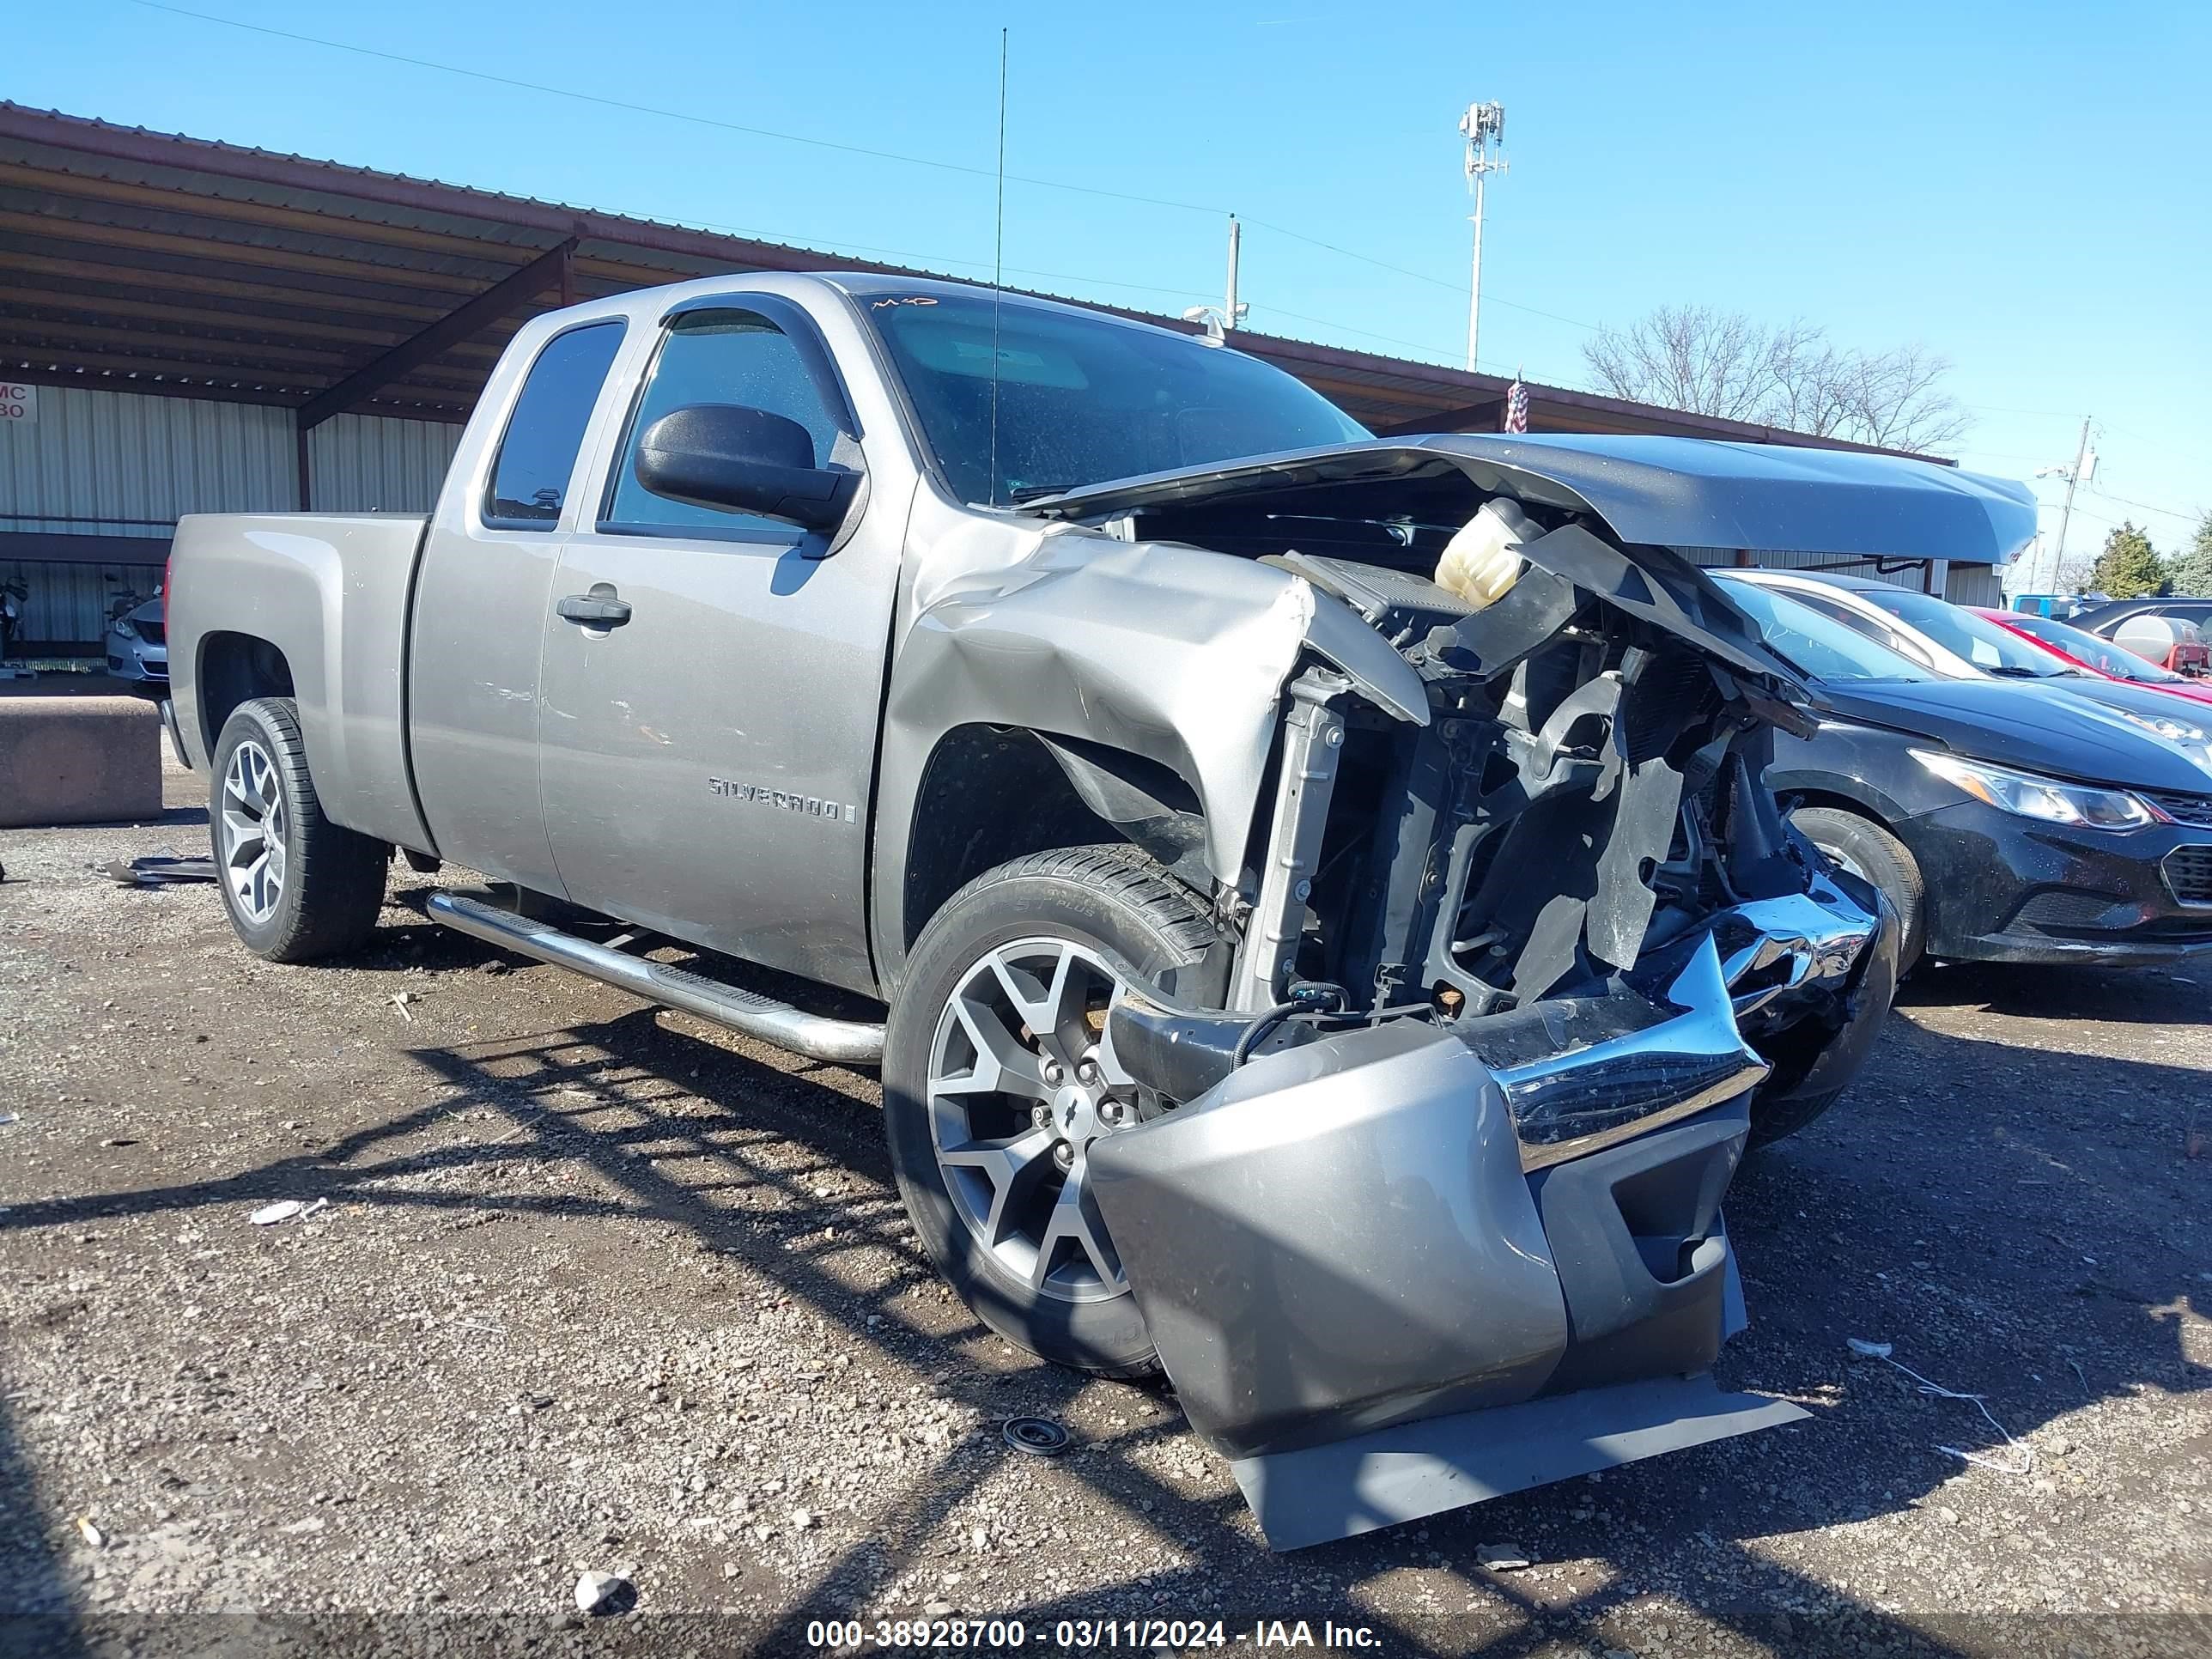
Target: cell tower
<point>1483,126</point>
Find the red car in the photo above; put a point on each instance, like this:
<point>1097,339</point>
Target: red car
<point>2100,657</point>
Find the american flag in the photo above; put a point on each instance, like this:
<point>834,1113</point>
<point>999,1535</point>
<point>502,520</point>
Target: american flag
<point>1517,407</point>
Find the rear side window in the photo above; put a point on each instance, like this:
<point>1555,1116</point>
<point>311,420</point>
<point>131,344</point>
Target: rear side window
<point>544,434</point>
<point>718,357</point>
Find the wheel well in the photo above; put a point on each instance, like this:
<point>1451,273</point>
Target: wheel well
<point>235,668</point>
<point>991,793</point>
<point>1836,802</point>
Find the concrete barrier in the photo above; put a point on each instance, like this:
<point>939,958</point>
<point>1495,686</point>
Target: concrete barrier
<point>78,760</point>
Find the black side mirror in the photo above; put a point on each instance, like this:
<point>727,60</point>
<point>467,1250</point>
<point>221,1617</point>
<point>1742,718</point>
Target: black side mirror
<point>745,460</point>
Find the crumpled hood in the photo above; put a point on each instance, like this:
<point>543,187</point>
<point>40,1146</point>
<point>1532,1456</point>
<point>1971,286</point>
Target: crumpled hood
<point>1662,498</point>
<point>1667,492</point>
<point>2037,728</point>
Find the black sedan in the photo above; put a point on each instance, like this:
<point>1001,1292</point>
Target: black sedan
<point>2005,824</point>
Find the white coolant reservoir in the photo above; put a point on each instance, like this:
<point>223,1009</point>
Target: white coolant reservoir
<point>1483,560</point>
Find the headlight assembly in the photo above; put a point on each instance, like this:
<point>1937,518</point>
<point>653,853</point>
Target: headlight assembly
<point>2033,797</point>
<point>122,626</point>
<point>2166,726</point>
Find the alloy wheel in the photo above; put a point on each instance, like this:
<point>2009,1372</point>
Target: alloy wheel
<point>1844,861</point>
<point>253,827</point>
<point>1023,1082</point>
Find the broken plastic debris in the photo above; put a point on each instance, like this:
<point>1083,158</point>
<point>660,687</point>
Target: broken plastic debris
<point>315,1208</point>
<point>1866,1350</point>
<point>90,1533</point>
<point>1502,1558</point>
<point>282,1210</point>
<point>604,1593</point>
<point>158,872</point>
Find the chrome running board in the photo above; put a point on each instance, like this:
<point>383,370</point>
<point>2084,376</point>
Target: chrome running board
<point>847,1043</point>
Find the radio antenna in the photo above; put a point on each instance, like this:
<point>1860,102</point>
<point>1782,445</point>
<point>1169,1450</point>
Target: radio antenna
<point>998,266</point>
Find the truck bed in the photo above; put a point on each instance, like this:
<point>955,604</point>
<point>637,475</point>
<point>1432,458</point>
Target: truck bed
<point>330,592</point>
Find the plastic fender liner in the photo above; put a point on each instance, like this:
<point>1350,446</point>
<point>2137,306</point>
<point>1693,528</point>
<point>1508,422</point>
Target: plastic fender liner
<point>1337,1237</point>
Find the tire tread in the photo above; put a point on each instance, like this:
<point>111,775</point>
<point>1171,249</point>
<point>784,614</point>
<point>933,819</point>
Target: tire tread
<point>340,872</point>
<point>1125,877</point>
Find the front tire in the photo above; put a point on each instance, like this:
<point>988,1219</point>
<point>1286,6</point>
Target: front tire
<point>1869,851</point>
<point>295,885</point>
<point>996,1078</point>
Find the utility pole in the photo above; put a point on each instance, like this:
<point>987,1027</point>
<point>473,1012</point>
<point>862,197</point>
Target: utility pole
<point>2073,476</point>
<point>1482,126</point>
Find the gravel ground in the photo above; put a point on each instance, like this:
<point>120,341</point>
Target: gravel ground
<point>597,1288</point>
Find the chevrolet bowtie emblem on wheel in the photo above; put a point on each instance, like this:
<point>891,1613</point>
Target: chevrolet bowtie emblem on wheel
<point>811,806</point>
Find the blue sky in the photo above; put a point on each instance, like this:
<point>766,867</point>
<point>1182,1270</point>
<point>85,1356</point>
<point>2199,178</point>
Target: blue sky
<point>2022,187</point>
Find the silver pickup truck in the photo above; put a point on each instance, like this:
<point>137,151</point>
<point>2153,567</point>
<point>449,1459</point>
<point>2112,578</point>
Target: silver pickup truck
<point>1335,941</point>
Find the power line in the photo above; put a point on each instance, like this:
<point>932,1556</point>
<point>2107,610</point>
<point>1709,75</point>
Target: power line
<point>667,114</point>
<point>2147,507</point>
<point>1365,333</point>
<point>1989,409</point>
<point>1417,276</point>
<point>630,107</point>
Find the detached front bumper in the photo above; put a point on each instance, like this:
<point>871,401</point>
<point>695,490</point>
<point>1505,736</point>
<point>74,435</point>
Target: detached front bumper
<point>1391,1275</point>
<point>2001,888</point>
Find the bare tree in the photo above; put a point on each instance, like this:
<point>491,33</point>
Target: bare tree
<point>1724,363</point>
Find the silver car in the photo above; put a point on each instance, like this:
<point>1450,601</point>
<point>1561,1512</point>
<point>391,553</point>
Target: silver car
<point>138,644</point>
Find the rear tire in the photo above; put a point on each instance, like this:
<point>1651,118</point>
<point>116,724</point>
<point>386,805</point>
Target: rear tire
<point>1107,913</point>
<point>295,885</point>
<point>1869,851</point>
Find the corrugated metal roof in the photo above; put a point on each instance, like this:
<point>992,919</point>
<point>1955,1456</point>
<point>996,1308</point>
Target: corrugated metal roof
<point>176,264</point>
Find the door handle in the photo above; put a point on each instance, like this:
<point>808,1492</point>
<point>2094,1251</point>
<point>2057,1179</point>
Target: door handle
<point>597,609</point>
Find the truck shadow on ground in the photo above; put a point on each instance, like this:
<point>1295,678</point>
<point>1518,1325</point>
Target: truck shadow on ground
<point>1944,1207</point>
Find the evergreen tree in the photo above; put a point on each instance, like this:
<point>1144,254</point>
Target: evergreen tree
<point>2128,568</point>
<point>2190,571</point>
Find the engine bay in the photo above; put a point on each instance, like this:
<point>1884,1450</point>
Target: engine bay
<point>1544,866</point>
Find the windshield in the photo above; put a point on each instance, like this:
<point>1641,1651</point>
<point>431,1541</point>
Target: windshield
<point>1814,645</point>
<point>1990,647</point>
<point>1083,399</point>
<point>2102,655</point>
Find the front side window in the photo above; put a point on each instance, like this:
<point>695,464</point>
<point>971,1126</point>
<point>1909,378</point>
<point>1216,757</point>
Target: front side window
<point>2100,655</point>
<point>1016,400</point>
<point>537,452</point>
<point>1992,649</point>
<point>730,357</point>
<point>1858,622</point>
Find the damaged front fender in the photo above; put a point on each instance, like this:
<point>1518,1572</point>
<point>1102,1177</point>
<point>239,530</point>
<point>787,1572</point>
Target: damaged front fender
<point>1166,652</point>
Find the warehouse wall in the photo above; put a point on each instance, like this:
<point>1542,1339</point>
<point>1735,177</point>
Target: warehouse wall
<point>372,464</point>
<point>122,464</point>
<point>1961,583</point>
<point>107,457</point>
